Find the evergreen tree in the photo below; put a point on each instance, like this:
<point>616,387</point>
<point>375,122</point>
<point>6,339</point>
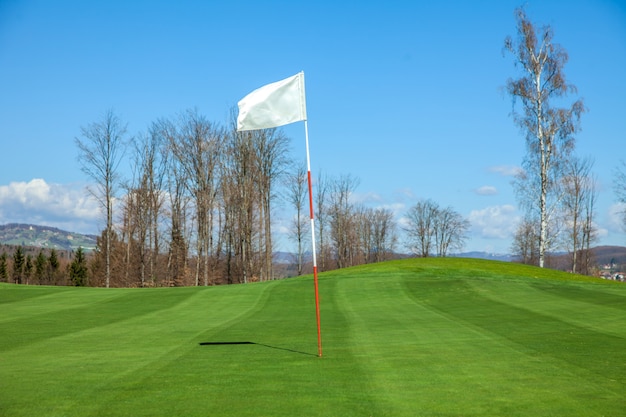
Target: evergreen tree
<point>53,266</point>
<point>40,267</point>
<point>28,268</point>
<point>4,274</point>
<point>78,269</point>
<point>18,265</point>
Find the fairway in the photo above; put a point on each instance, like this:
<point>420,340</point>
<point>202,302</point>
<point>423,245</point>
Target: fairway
<point>417,337</point>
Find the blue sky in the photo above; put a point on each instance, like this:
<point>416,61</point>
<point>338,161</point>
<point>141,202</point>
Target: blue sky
<point>406,96</point>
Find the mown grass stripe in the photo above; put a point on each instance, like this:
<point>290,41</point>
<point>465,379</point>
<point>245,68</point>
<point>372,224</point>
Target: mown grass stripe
<point>414,337</point>
<point>592,356</point>
<point>58,317</point>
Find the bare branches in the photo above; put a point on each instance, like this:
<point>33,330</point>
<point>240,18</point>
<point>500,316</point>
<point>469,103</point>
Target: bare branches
<point>432,229</point>
<point>548,130</point>
<point>101,150</point>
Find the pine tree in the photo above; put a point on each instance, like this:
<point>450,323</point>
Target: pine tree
<point>28,268</point>
<point>78,269</point>
<point>53,266</point>
<point>4,274</point>
<point>18,265</point>
<point>40,267</point>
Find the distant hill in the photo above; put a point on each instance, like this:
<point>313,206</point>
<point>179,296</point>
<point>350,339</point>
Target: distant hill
<point>44,237</point>
<point>604,255</point>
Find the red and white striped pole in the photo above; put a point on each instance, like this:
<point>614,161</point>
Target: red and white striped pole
<point>317,297</point>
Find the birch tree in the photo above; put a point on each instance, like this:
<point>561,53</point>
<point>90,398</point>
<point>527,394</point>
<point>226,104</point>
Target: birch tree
<point>542,85</point>
<point>101,150</point>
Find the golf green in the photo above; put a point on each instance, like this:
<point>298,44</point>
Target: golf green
<point>417,337</point>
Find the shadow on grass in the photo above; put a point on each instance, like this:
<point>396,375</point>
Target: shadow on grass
<point>254,343</point>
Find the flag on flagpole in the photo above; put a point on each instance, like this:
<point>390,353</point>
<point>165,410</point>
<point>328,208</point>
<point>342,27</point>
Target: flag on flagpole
<point>273,105</point>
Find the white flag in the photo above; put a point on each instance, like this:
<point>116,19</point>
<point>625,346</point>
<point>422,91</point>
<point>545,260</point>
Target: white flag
<point>273,105</point>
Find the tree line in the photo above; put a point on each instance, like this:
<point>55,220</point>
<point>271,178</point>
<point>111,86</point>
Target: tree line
<point>48,267</point>
<point>198,210</point>
<point>199,206</point>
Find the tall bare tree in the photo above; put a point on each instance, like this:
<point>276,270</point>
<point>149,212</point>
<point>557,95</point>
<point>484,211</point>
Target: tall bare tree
<point>197,145</point>
<point>548,129</point>
<point>450,231</point>
<point>376,232</point>
<point>175,184</point>
<point>384,234</point>
<point>296,193</point>
<point>432,229</point>
<point>578,203</point>
<point>526,242</point>
<point>101,147</point>
<point>322,191</point>
<point>270,146</point>
<point>342,225</point>
<point>240,204</point>
<point>420,228</point>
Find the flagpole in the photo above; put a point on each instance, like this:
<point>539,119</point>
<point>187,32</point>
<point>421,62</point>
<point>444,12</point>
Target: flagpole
<point>317,297</point>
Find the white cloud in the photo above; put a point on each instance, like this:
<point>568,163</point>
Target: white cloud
<point>617,215</point>
<point>494,222</point>
<point>506,170</point>
<point>68,207</point>
<point>365,198</point>
<point>486,190</point>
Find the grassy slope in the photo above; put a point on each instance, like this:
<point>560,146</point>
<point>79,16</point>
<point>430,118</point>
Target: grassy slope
<point>412,337</point>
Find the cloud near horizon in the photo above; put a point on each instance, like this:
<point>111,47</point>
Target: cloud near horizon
<point>68,207</point>
<point>495,222</point>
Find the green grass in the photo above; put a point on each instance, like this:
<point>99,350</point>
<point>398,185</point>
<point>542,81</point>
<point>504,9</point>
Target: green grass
<point>420,337</point>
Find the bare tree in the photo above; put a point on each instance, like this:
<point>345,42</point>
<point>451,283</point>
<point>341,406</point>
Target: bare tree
<point>420,229</point>
<point>197,145</point>
<point>341,214</point>
<point>376,232</point>
<point>590,234</point>
<point>526,242</point>
<point>101,150</point>
<point>178,205</point>
<point>322,191</point>
<point>297,186</point>
<point>384,234</point>
<point>238,190</point>
<point>270,147</point>
<point>143,205</point>
<point>549,129</point>
<point>450,231</point>
<point>578,202</point>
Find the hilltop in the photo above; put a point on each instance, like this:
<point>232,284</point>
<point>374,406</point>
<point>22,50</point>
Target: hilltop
<point>44,237</point>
